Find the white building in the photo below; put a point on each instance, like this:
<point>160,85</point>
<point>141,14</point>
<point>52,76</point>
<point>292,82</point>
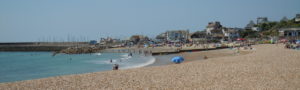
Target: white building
<point>293,33</point>
<point>251,26</point>
<point>177,35</point>
<point>213,28</point>
<point>230,34</point>
<point>262,20</point>
<point>297,18</point>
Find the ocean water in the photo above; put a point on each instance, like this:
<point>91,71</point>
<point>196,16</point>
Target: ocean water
<point>16,66</point>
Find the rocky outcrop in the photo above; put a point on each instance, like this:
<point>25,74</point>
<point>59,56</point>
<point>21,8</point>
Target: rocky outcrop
<point>80,50</point>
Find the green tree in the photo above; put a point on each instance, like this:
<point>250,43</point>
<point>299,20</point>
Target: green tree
<point>249,34</point>
<point>272,28</point>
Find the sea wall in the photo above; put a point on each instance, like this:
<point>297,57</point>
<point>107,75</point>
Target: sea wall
<point>187,50</point>
<point>159,50</point>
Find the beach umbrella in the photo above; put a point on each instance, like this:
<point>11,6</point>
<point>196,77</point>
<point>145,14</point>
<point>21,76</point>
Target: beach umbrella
<point>177,59</point>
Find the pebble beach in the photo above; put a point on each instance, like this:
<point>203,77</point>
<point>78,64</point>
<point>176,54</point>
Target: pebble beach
<point>268,66</point>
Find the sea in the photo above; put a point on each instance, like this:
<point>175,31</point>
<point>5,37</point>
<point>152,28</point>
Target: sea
<point>17,66</point>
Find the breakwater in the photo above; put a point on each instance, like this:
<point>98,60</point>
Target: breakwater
<point>32,48</point>
<point>39,46</point>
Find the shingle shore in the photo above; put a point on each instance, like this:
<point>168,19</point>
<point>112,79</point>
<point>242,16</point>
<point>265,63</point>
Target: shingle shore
<point>268,67</point>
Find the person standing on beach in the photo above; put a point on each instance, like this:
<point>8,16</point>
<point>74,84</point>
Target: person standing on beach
<point>238,50</point>
<point>115,66</point>
<point>130,54</point>
<point>150,52</point>
<point>140,51</point>
<point>145,52</point>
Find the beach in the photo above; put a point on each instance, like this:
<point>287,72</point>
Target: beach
<point>268,66</point>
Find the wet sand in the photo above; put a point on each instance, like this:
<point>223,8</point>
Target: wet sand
<point>268,67</point>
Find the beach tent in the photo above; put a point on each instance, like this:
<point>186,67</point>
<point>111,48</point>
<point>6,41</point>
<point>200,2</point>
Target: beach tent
<point>177,59</point>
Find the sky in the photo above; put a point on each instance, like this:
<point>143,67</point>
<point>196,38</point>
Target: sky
<point>66,20</point>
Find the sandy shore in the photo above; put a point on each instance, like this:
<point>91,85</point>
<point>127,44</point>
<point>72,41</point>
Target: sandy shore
<point>268,67</point>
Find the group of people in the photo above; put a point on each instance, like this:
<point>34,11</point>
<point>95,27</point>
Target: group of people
<point>292,46</point>
<point>247,46</point>
<point>244,46</point>
<point>116,66</point>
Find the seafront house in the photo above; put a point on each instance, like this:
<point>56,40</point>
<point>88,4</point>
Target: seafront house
<point>138,39</point>
<point>261,20</point>
<point>297,18</point>
<point>290,33</point>
<point>109,41</point>
<point>214,30</point>
<point>199,37</point>
<point>230,34</point>
<point>161,37</point>
<point>177,36</point>
<point>104,41</point>
<point>251,26</point>
<point>284,19</point>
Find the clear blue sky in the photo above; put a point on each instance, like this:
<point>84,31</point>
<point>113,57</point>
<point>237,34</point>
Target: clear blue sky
<point>33,20</point>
